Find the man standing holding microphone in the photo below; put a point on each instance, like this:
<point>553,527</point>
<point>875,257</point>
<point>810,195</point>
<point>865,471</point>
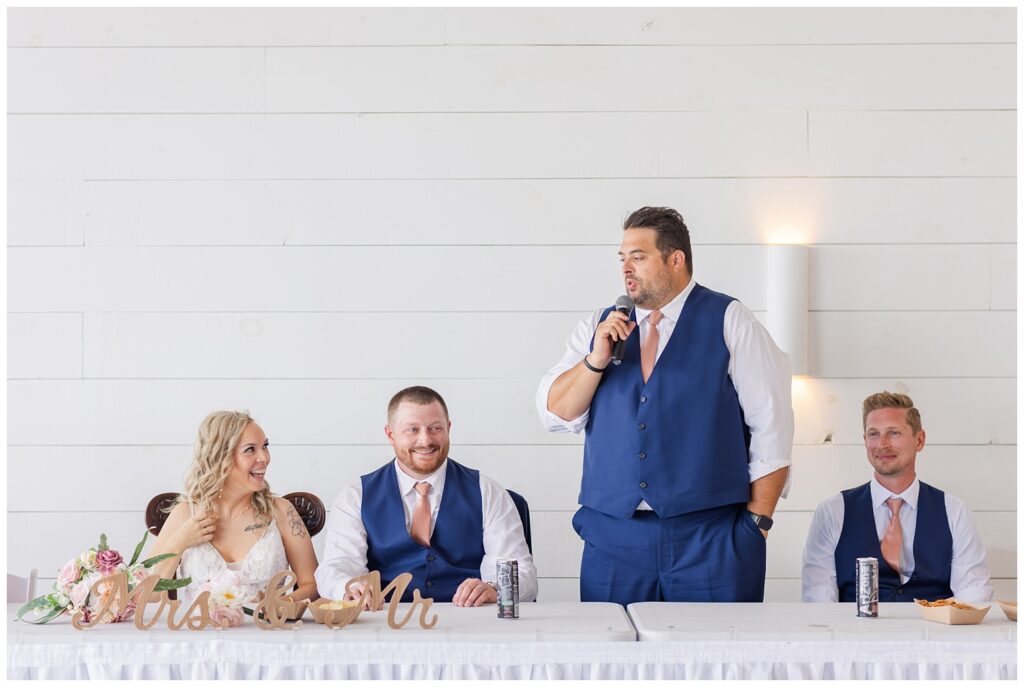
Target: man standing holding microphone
<point>688,436</point>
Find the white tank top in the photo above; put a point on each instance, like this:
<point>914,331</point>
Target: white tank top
<point>262,562</point>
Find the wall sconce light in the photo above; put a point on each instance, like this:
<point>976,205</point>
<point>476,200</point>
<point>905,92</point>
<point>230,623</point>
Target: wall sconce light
<point>787,302</point>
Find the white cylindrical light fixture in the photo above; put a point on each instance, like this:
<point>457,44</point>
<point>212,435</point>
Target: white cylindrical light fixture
<point>787,302</point>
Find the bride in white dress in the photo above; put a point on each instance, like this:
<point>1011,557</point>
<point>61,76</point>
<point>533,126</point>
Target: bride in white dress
<point>227,519</point>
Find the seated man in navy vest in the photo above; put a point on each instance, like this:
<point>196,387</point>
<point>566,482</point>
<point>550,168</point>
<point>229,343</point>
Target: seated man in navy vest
<point>425,514</point>
<point>924,539</point>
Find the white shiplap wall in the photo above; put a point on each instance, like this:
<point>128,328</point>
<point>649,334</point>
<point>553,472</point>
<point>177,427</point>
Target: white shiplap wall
<point>220,208</point>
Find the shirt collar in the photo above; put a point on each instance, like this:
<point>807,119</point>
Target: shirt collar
<point>672,309</point>
<point>407,483</point>
<point>879,494</point>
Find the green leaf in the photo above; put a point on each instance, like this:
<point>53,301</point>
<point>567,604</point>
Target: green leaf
<point>41,602</point>
<point>165,585</point>
<point>150,562</point>
<point>138,550</point>
<point>34,604</point>
<point>50,616</point>
<point>103,543</point>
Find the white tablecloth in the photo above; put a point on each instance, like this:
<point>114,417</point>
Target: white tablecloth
<point>548,640</point>
<point>821,641</point>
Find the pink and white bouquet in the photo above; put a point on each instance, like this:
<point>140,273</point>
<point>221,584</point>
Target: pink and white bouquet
<point>73,590</point>
<point>226,597</point>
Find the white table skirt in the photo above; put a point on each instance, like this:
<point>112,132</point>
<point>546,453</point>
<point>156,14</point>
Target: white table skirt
<point>231,659</point>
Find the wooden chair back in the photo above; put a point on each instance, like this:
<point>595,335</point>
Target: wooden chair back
<point>309,507</point>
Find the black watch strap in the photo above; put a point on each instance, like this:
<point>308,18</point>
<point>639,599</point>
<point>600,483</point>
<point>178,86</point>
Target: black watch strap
<point>763,522</point>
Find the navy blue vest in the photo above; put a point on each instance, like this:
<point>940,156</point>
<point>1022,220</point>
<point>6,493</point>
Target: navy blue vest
<point>933,548</point>
<point>679,441</point>
<point>456,545</point>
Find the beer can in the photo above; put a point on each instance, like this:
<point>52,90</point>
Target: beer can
<point>508,589</point>
<point>867,587</point>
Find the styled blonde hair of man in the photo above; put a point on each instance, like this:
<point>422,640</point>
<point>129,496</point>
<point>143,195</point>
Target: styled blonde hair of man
<point>887,399</point>
<point>213,459</point>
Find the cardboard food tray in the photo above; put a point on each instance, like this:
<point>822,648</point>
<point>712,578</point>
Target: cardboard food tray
<point>1009,608</point>
<point>949,615</point>
<point>320,613</point>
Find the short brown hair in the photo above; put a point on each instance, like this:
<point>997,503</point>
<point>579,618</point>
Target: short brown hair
<point>670,227</point>
<point>419,395</point>
<point>887,399</point>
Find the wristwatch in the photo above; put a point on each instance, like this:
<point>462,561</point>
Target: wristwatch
<point>763,522</point>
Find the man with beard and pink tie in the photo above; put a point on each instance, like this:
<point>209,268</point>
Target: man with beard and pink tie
<point>425,514</point>
<point>687,439</point>
<point>925,540</point>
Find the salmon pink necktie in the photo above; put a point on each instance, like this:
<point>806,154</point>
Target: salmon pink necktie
<point>649,351</point>
<point>420,530</point>
<point>892,542</point>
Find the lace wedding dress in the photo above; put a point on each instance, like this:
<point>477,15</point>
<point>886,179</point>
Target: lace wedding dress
<point>264,560</point>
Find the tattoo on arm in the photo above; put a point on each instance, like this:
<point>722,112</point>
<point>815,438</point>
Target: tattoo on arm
<point>295,522</point>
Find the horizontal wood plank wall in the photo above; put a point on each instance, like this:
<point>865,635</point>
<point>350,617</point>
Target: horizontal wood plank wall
<point>298,212</point>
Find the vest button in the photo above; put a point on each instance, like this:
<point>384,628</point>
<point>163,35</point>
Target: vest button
<point>429,583</point>
<point>643,485</point>
<point>643,399</point>
<point>642,456</point>
<point>899,590</point>
<point>643,426</point>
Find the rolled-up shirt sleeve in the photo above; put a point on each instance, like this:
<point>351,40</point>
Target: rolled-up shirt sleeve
<point>577,346</point>
<point>345,544</point>
<point>761,375</point>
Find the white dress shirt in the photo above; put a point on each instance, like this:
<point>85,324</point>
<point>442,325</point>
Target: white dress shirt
<point>345,546</point>
<point>968,578</point>
<point>760,373</point>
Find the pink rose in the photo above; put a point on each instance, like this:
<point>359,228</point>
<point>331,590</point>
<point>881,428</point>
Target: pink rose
<point>126,613</point>
<point>227,617</point>
<point>80,592</point>
<point>68,575</point>
<point>107,561</point>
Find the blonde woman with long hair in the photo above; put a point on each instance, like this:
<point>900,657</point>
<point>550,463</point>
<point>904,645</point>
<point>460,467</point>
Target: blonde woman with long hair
<point>227,519</point>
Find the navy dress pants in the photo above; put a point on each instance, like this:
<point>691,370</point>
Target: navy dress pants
<point>710,555</point>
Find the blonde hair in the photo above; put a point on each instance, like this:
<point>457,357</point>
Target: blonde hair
<point>213,458</point>
<point>888,399</point>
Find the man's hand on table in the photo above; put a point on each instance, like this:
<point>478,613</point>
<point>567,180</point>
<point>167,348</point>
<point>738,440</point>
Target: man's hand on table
<point>355,591</point>
<point>474,592</point>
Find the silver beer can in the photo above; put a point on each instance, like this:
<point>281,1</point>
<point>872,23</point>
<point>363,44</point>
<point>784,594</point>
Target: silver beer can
<point>867,587</point>
<point>508,589</point>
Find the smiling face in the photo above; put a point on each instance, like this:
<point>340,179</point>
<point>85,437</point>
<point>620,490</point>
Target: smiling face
<point>892,444</point>
<point>251,458</point>
<point>651,279</point>
<point>419,435</point>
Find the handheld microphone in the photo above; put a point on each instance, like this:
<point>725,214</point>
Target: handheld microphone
<point>624,305</point>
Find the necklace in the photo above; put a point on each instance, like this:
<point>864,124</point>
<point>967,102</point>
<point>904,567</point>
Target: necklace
<point>232,517</point>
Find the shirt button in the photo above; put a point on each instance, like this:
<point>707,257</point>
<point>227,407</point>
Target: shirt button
<point>429,583</point>
<point>430,558</point>
<point>643,485</point>
<point>643,426</point>
<point>642,456</point>
<point>643,399</point>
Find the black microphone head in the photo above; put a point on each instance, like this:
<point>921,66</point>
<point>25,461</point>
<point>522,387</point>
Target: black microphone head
<point>624,304</point>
